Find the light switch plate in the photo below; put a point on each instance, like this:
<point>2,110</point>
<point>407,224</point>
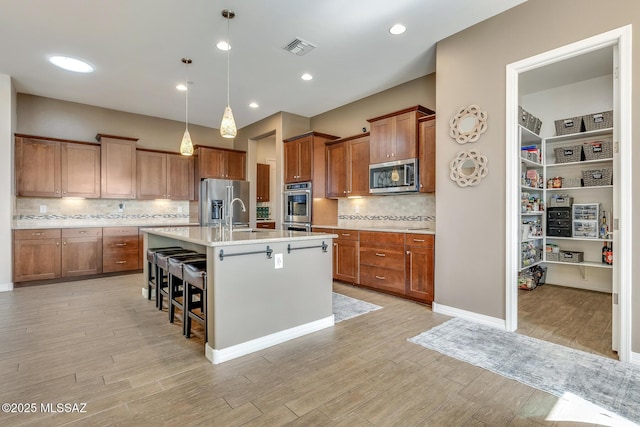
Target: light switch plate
<point>43,208</point>
<point>279,261</point>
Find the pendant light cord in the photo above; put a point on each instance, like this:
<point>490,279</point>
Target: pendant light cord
<point>228,54</point>
<point>186,96</point>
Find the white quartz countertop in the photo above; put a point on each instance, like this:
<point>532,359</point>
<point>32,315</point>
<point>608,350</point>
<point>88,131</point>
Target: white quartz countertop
<point>388,229</point>
<point>215,236</point>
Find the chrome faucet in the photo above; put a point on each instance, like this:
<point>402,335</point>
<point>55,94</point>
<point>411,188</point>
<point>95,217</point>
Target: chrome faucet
<point>230,212</point>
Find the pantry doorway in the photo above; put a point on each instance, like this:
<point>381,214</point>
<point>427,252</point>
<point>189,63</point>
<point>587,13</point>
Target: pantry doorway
<point>620,41</point>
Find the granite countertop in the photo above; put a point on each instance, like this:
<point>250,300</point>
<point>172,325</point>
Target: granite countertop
<point>214,236</point>
<point>384,228</point>
<point>99,225</point>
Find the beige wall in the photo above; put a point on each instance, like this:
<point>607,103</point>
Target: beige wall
<point>349,119</point>
<point>471,70</point>
<point>7,124</point>
<point>69,120</point>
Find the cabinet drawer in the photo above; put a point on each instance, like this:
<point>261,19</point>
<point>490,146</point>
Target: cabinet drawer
<point>382,237</point>
<point>381,256</point>
<point>382,278</point>
<point>120,231</point>
<point>120,245</point>
<point>44,233</point>
<point>424,240</point>
<point>119,262</point>
<point>347,234</point>
<point>268,224</point>
<point>82,232</point>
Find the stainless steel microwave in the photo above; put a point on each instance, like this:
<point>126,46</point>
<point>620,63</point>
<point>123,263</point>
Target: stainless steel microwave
<point>400,176</point>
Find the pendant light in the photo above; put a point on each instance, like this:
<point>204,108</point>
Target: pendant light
<point>186,146</point>
<point>228,125</point>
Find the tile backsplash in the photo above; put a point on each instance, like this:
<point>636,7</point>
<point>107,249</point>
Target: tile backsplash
<point>97,212</point>
<point>403,210</point>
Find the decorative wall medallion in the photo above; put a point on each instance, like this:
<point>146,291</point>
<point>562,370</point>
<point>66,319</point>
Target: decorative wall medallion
<point>468,124</point>
<point>468,168</point>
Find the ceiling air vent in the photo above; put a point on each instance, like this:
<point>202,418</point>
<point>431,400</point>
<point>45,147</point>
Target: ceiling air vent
<point>299,47</point>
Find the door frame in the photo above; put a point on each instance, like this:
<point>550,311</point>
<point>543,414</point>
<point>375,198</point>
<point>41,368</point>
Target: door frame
<point>622,271</point>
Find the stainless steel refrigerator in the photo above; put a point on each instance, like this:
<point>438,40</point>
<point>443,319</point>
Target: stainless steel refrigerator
<point>217,194</point>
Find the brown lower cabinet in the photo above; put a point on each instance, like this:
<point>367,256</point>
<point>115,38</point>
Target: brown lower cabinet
<point>53,253</point>
<point>120,249</point>
<point>396,263</point>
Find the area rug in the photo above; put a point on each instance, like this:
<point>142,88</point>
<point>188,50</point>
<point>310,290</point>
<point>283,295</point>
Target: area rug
<point>555,369</point>
<point>345,307</point>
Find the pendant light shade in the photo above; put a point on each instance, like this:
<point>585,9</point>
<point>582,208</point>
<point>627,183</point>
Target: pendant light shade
<point>228,126</point>
<point>186,146</point>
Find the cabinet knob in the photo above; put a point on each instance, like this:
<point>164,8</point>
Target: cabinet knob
<point>57,191</point>
<point>408,252</point>
<point>64,243</point>
<point>57,243</point>
<point>64,192</point>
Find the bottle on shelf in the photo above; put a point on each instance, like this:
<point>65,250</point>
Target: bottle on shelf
<point>603,226</point>
<point>609,254</point>
<point>605,248</point>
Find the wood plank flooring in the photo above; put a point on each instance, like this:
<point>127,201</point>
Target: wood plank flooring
<point>571,317</point>
<point>99,342</point>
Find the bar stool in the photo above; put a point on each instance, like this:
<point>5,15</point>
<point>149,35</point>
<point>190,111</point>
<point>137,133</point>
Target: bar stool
<point>194,275</point>
<point>162,272</point>
<point>151,268</point>
<point>175,284</point>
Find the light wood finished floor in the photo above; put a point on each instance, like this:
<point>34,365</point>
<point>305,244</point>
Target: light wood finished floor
<point>571,317</point>
<point>98,341</point>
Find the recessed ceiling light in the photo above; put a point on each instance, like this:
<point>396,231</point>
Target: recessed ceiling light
<point>71,64</point>
<point>181,87</point>
<point>254,105</point>
<point>223,45</point>
<point>397,29</point>
<point>306,76</point>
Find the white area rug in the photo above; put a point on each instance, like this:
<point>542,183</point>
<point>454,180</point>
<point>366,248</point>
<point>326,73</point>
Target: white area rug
<point>345,307</point>
<point>559,370</point>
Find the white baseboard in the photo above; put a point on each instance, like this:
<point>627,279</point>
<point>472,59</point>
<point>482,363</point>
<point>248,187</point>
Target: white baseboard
<point>6,287</point>
<point>635,358</point>
<point>469,315</point>
<point>225,354</point>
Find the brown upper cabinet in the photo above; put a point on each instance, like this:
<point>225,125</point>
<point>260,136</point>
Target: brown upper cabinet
<point>427,152</point>
<point>262,182</point>
<point>304,160</point>
<point>118,158</point>
<point>347,165</point>
<point>394,136</point>
<point>48,167</point>
<point>164,176</point>
<point>220,163</point>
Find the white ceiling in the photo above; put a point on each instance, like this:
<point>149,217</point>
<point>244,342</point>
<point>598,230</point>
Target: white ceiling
<point>136,47</point>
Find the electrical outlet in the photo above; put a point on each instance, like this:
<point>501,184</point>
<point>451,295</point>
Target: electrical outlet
<point>279,261</point>
<point>179,209</point>
<point>121,207</point>
<point>43,208</point>
<point>356,208</point>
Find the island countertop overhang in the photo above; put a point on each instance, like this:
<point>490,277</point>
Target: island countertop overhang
<point>215,236</point>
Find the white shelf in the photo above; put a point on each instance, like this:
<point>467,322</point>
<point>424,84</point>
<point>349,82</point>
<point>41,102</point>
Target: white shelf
<point>526,187</point>
<point>532,265</point>
<point>580,188</point>
<point>582,162</point>
<point>582,264</point>
<point>580,135</point>
<point>531,163</point>
<point>532,239</point>
<point>532,213</point>
<point>528,137</point>
<point>580,239</point>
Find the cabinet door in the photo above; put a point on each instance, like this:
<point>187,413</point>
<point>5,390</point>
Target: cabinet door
<point>37,168</point>
<point>419,272</point>
<point>291,156</point>
<point>404,136</point>
<point>262,182</point>
<point>152,175</point>
<point>358,167</point>
<point>235,165</point>
<point>305,151</point>
<point>345,253</point>
<point>427,159</point>
<point>336,170</point>
<point>80,170</point>
<point>118,169</point>
<point>81,256</point>
<point>179,177</point>
<point>36,259</point>
<point>381,140</point>
<point>210,163</point>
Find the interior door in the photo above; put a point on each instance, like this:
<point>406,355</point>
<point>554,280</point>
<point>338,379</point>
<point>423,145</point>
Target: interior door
<point>615,308</point>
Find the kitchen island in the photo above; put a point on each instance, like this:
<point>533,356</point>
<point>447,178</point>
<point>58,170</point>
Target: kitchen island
<point>263,287</point>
